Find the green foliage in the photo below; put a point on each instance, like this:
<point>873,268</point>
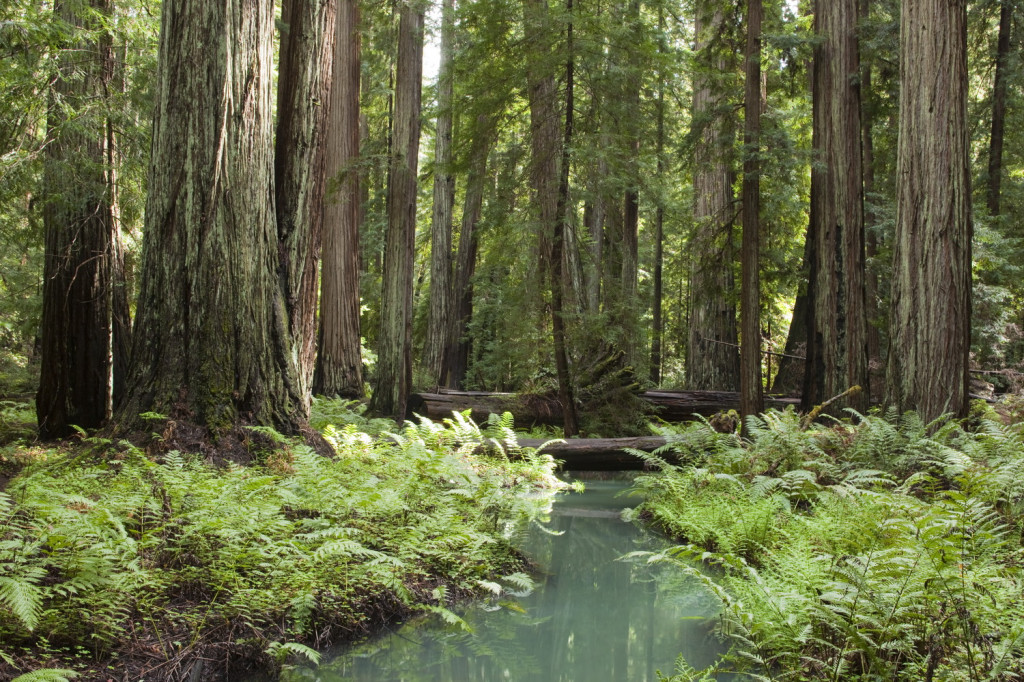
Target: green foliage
<point>107,542</point>
<point>883,548</point>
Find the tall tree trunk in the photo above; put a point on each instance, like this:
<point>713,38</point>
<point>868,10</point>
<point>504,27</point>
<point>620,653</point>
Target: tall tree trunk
<point>995,153</point>
<point>545,179</point>
<point>212,342</point>
<point>712,361</point>
<point>931,289</point>
<point>789,377</point>
<point>394,357</point>
<point>339,366</point>
<point>871,219</point>
<point>837,354</point>
<point>657,323</point>
<point>559,283</point>
<point>629,316</point>
<point>80,343</point>
<point>303,92</point>
<point>751,390</point>
<point>439,322</point>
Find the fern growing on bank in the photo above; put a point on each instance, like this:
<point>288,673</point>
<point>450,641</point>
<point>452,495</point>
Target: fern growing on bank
<point>107,549</point>
<point>879,548</point>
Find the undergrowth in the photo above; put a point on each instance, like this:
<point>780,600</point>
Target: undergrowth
<point>875,548</point>
<point>115,563</point>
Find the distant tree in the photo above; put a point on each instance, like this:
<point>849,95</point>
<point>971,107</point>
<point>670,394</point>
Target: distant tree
<point>546,147</point>
<point>212,343</point>
<point>439,323</point>
<point>837,356</point>
<point>751,389</point>
<point>339,360</point>
<point>394,357</point>
<point>931,284</point>
<point>712,361</point>
<point>999,90</point>
<point>85,324</point>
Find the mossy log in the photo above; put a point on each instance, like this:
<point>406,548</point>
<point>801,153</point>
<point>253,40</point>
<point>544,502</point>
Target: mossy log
<point>531,410</point>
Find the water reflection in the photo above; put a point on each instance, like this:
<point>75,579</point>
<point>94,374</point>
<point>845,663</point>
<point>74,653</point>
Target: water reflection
<point>591,617</point>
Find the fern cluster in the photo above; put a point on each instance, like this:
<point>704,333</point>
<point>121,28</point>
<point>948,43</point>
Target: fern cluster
<point>875,548</point>
<point>108,549</point>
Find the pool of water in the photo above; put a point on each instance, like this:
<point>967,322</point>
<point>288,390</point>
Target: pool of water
<point>591,618</point>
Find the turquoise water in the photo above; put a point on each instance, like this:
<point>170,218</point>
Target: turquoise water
<point>592,617</point>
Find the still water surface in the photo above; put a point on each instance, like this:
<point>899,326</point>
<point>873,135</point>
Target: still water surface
<point>591,618</point>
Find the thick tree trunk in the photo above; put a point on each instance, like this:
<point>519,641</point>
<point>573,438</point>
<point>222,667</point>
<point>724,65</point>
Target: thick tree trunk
<point>711,360</point>
<point>394,357</point>
<point>439,322</point>
<point>931,289</point>
<point>82,323</point>
<point>339,366</point>
<point>303,91</point>
<point>995,148</point>
<point>751,390</point>
<point>837,354</point>
<point>790,377</point>
<point>212,342</point>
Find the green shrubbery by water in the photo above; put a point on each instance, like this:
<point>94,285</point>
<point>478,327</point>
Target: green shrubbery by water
<point>146,565</point>
<point>877,548</point>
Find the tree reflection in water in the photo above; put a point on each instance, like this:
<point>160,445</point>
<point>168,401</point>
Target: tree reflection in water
<point>591,616</point>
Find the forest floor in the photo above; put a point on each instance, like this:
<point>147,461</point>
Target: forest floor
<point>119,562</point>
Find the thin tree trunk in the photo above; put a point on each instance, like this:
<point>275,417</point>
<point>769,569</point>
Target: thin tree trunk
<point>751,390</point>
<point>439,322</point>
<point>657,323</point>
<point>995,153</point>
<point>212,342</point>
<point>837,354</point>
<point>303,92</point>
<point>558,279</point>
<point>339,367</point>
<point>394,357</point>
<point>931,288</point>
<point>870,218</point>
<point>460,344</point>
<point>83,268</point>
<point>711,360</point>
<point>630,314</point>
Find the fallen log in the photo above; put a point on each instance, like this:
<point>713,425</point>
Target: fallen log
<point>528,409</point>
<point>531,410</point>
<point>598,454</point>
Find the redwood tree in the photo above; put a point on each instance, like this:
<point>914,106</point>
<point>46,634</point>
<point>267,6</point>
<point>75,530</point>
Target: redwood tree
<point>339,361</point>
<point>394,357</point>
<point>84,330</point>
<point>303,91</point>
<point>837,357</point>
<point>212,342</point>
<point>712,362</point>
<point>931,283</point>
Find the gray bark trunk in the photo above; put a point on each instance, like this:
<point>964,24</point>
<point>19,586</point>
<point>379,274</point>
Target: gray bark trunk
<point>931,289</point>
<point>212,342</point>
<point>394,357</point>
<point>995,154</point>
<point>439,323</point>
<point>837,357</point>
<point>303,92</point>
<point>339,367</point>
<point>712,361</point>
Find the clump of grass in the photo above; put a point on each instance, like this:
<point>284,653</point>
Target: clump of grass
<point>879,547</point>
<point>106,554</point>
